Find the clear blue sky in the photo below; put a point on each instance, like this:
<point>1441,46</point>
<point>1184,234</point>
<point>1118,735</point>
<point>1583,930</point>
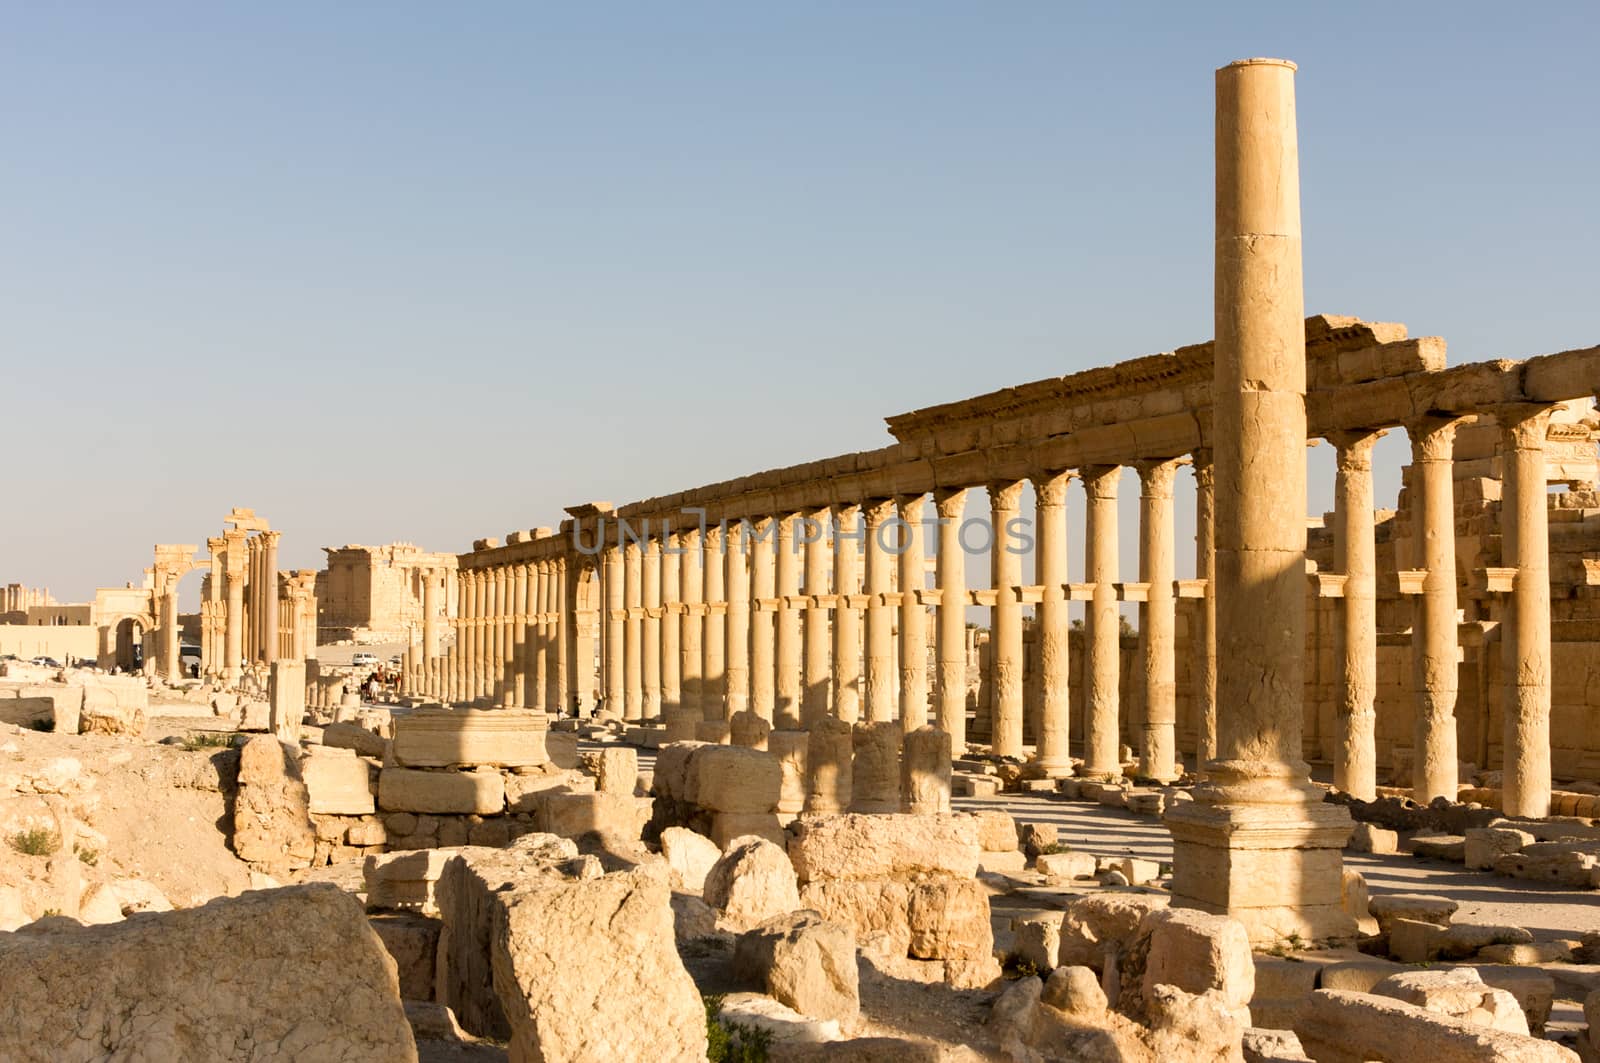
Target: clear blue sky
<point>427,272</point>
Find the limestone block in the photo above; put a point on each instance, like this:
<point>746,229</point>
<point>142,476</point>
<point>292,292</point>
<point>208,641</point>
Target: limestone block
<point>1036,939</point>
<point>459,792</point>
<point>752,882</point>
<point>1075,991</point>
<point>1137,872</point>
<point>805,962</point>
<point>271,814</point>
<point>1064,867</point>
<point>829,769</point>
<point>728,827</point>
<point>588,970</point>
<point>337,783</point>
<point>1413,941</point>
<point>102,713</point>
<point>286,695</point>
<point>443,738</point>
<point>1354,899</point>
<point>864,846</point>
<point>1447,847</point>
<point>949,919</point>
<point>207,983</point>
<point>997,831</point>
<point>1557,862</point>
<point>562,750</point>
<point>1527,954</point>
<point>671,776</point>
<point>870,907</point>
<point>1534,989</point>
<point>354,736</point>
<point>734,779</point>
<point>962,785</point>
<point>690,856</point>
<point>1272,1046</point>
<point>1199,952</point>
<point>875,767</point>
<point>791,748</point>
<point>1283,986</point>
<point>786,1029</point>
<point>750,730</point>
<point>616,769</point>
<point>1462,941</point>
<point>1035,838</point>
<point>1357,976</point>
<point>255,715</point>
<point>715,732</point>
<point>405,880</point>
<point>1387,907</point>
<point>1098,924</point>
<point>1012,863</point>
<point>1457,994</point>
<point>1342,1027</point>
<point>574,815</point>
<point>925,771</point>
<point>1366,838</point>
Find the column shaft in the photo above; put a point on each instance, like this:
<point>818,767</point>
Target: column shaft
<point>1158,753</point>
<point>614,607</point>
<point>818,663</point>
<point>736,623</point>
<point>1102,753</point>
<point>880,677</point>
<point>846,615</point>
<point>786,650</point>
<point>763,532</point>
<point>1005,641</point>
<point>1355,768</point>
<point>714,636</point>
<point>1525,637</point>
<point>951,637</point>
<point>691,642</point>
<point>1435,650</point>
<point>1053,623</point>
<point>650,628</point>
<point>633,632</point>
<point>1205,636</point>
<point>913,617</point>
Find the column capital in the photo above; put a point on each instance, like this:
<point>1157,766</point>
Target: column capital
<point>909,507</point>
<point>950,501</point>
<point>1005,494</point>
<point>1353,447</point>
<point>1156,475</point>
<point>1433,437</point>
<point>878,510</point>
<point>1525,423</point>
<point>1100,481</point>
<point>1050,488</point>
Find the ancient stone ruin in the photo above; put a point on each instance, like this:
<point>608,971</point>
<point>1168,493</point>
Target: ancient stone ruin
<point>733,769</point>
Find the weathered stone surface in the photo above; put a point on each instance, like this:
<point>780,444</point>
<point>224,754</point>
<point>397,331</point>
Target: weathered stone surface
<point>407,880</point>
<point>1342,1027</point>
<point>616,769</point>
<point>354,736</point>
<point>1458,994</point>
<point>791,748</point>
<point>103,713</point>
<point>1064,867</point>
<point>733,779</point>
<point>690,855</point>
<point>573,815</point>
<point>870,846</point>
<point>1367,838</point>
<point>443,738</point>
<point>208,984</point>
<point>1485,845</point>
<point>271,819</point>
<point>338,783</point>
<point>1075,991</point>
<point>1387,907</point>
<point>1199,952</point>
<point>870,907</point>
<point>1096,925</point>
<point>925,771</point>
<point>804,961</point>
<point>875,767</point>
<point>752,882</point>
<point>1037,837</point>
<point>997,831</point>
<point>459,792</point>
<point>949,919</point>
<point>727,827</point>
<point>412,941</point>
<point>1272,1046</point>
<point>1036,940</point>
<point>829,766</point>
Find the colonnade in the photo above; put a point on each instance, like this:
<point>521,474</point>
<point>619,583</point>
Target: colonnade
<point>511,646</point>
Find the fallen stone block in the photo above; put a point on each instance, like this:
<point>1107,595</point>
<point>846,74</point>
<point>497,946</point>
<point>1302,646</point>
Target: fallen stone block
<point>872,846</point>
<point>1340,1027</point>
<point>338,783</point>
<point>574,815</point>
<point>752,882</point>
<point>441,792</point>
<point>1458,994</point>
<point>1366,838</point>
<point>805,962</point>
<point>691,856</point>
<point>1387,907</point>
<point>1484,845</point>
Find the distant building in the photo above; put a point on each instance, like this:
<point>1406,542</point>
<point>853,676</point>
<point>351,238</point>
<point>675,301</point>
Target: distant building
<point>374,594</point>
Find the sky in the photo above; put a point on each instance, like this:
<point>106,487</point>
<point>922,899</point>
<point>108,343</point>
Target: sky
<point>428,273</point>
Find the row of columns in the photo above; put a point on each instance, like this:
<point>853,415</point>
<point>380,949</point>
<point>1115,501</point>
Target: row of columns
<point>510,637</point>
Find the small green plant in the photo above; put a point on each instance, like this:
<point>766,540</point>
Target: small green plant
<point>40,841</point>
<point>1016,967</point>
<point>48,912</point>
<point>89,856</point>
<point>1055,847</point>
<point>732,1042</point>
<point>1290,942</point>
<point>197,740</point>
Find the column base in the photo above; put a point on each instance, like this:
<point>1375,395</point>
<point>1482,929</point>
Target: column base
<point>1277,868</point>
<point>1048,769</point>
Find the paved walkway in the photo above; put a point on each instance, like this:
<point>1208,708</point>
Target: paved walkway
<point>1547,911</point>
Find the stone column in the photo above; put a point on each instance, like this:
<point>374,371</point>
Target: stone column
<point>170,666</point>
<point>615,604</point>
<point>467,637</point>
<point>1204,641</point>
<point>763,530</point>
<point>485,634</point>
<point>633,632</point>
<point>269,566</point>
<point>1158,752</point>
<point>430,613</point>
<point>880,616</point>
<point>1102,754</point>
<point>540,637</point>
<point>818,665</point>
<point>1258,843</point>
<point>453,665</point>
<point>846,617</point>
<point>786,650</point>
<point>951,635</point>
<point>691,641</point>
<point>1005,640</point>
<point>671,623</point>
<point>1355,768</point>
<point>237,564</point>
<point>1525,627</point>
<point>1434,648</point>
<point>650,628</point>
<point>566,683</point>
<point>1054,623</point>
<point>913,655</point>
<point>499,597</point>
<point>714,636</point>
<point>250,618</point>
<point>213,649</point>
<point>521,651</point>
<point>736,623</point>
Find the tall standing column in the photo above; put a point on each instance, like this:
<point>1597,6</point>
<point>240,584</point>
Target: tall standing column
<point>1435,649</point>
<point>1005,641</point>
<point>714,636</point>
<point>615,611</point>
<point>467,640</point>
<point>170,666</point>
<point>540,637</point>
<point>691,641</point>
<point>521,651</point>
<point>1053,759</point>
<point>736,624</point>
<point>561,684</point>
<point>880,618</point>
<point>233,634</point>
<point>430,613</point>
<point>670,601</point>
<point>786,706</point>
<point>951,637</point>
<point>1102,753</point>
<point>498,598</point>
<point>818,665</point>
<point>483,638</point>
<point>913,617</point>
<point>269,566</point>
<point>1258,843</point>
<point>846,616</point>
<point>1158,752</point>
<point>1355,768</point>
<point>763,530</point>
<point>650,628</point>
<point>453,663</point>
<point>213,651</point>
<point>1205,635</point>
<point>633,632</point>
<point>1525,638</point>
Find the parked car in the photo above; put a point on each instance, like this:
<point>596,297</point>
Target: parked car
<point>364,660</point>
<point>46,662</point>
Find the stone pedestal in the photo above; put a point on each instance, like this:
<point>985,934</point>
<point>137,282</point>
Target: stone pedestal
<point>286,692</point>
